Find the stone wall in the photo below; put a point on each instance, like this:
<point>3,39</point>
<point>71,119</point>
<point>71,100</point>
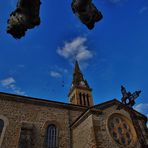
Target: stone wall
<point>18,113</point>
<point>83,134</point>
<point>144,129</point>
<point>89,129</point>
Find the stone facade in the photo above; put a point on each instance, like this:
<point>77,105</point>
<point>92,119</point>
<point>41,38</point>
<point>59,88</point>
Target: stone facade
<point>84,129</point>
<point>102,132</point>
<point>79,126</point>
<point>39,114</point>
<point>38,123</point>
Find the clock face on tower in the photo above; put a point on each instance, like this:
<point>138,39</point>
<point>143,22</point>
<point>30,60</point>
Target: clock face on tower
<point>82,83</point>
<point>121,130</point>
<point>71,85</point>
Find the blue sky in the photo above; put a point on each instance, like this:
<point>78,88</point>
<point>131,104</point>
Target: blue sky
<point>114,53</point>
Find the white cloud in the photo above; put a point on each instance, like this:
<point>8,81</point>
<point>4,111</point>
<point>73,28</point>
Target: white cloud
<point>75,49</point>
<point>60,69</point>
<point>19,92</point>
<point>115,1</point>
<point>147,122</point>
<point>142,107</point>
<point>10,83</point>
<point>143,9</point>
<point>7,82</point>
<point>55,74</point>
<point>21,66</point>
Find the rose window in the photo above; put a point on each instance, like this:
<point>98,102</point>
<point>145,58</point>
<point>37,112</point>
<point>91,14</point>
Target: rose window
<point>121,129</point>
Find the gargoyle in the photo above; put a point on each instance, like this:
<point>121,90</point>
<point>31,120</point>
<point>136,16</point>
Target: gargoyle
<point>87,12</point>
<point>129,98</point>
<point>26,16</point>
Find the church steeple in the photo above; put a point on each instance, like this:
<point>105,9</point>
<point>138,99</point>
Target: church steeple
<point>80,92</point>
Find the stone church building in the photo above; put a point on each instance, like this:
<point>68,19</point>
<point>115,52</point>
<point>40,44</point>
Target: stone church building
<point>27,122</point>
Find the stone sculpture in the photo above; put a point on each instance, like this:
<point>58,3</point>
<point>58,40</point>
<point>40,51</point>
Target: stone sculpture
<point>26,16</point>
<point>129,98</point>
<point>87,12</point>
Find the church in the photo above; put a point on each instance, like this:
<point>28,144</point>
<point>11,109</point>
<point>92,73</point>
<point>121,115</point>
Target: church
<point>27,122</point>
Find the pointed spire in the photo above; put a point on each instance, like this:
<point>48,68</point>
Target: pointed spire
<point>78,79</point>
<point>77,69</point>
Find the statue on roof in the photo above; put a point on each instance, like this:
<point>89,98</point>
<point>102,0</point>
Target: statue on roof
<point>87,12</point>
<point>129,98</point>
<point>26,16</point>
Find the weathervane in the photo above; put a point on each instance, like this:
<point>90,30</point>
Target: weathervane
<point>26,15</point>
<point>129,98</point>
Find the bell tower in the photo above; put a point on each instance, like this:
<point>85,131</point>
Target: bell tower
<point>80,92</point>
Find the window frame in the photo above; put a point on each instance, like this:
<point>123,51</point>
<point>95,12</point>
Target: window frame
<point>127,120</point>
<point>6,123</point>
<point>54,135</point>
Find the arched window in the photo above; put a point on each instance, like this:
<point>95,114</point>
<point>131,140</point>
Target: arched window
<point>52,136</point>
<point>1,126</point>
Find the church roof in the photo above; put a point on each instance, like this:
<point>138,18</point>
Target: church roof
<point>120,105</point>
<point>98,109</point>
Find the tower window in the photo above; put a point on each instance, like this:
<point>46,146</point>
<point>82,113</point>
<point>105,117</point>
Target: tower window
<point>52,136</point>
<point>87,99</point>
<point>1,126</point>
<point>80,96</point>
<point>84,99</point>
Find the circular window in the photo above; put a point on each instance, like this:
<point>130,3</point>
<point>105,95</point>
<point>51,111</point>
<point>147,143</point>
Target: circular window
<point>121,129</point>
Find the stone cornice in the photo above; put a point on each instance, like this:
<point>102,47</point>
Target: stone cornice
<point>40,102</point>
